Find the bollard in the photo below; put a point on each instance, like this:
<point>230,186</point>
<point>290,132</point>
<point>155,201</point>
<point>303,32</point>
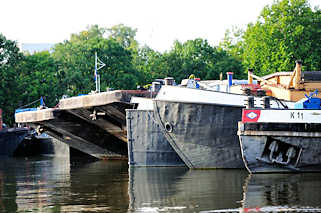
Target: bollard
<point>266,102</point>
<point>250,102</point>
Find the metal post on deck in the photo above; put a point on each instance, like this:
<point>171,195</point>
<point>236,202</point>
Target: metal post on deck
<point>0,119</point>
<point>250,102</point>
<point>96,80</point>
<point>229,80</point>
<point>249,76</point>
<point>101,64</point>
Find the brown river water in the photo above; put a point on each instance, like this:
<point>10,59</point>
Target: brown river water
<point>47,184</point>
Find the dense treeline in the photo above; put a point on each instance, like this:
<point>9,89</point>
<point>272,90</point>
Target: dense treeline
<point>285,31</point>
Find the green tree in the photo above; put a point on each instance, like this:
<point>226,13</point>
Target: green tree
<point>40,77</point>
<point>77,58</point>
<point>233,42</point>
<point>124,35</point>
<point>286,31</point>
<point>10,59</point>
<point>150,64</point>
<point>201,59</point>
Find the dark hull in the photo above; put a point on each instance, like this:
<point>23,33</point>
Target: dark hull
<point>94,124</point>
<point>83,135</point>
<point>147,145</point>
<point>203,135</point>
<point>10,140</point>
<point>34,145</point>
<point>261,156</point>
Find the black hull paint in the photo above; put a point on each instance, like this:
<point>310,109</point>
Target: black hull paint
<point>147,145</point>
<point>203,135</point>
<point>307,158</point>
<point>10,140</point>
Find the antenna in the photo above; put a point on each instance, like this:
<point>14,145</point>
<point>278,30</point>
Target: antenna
<point>98,65</point>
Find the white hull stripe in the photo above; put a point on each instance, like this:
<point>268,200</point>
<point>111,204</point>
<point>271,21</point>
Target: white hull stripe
<point>281,116</point>
<point>183,94</point>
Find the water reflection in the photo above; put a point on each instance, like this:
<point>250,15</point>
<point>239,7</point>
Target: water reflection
<point>180,189</point>
<point>47,184</point>
<point>28,184</point>
<point>101,186</point>
<point>55,185</point>
<point>279,193</point>
<point>293,190</point>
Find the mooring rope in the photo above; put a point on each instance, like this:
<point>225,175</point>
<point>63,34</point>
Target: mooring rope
<point>21,107</point>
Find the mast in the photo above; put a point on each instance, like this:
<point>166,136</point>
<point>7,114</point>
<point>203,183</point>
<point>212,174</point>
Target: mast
<point>98,65</point>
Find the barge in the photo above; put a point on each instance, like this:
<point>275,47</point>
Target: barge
<point>277,141</point>
<point>10,138</point>
<point>201,125</point>
<point>147,145</point>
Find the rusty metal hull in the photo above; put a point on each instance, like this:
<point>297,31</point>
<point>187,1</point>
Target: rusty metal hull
<point>203,135</point>
<point>289,149</point>
<point>147,145</point>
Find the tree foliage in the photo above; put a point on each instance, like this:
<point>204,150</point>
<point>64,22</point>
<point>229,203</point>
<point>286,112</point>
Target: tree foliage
<point>201,59</point>
<point>10,59</point>
<point>77,59</point>
<point>149,64</point>
<point>286,31</point>
<point>233,42</point>
<point>124,35</point>
<point>39,77</point>
<point>196,57</point>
